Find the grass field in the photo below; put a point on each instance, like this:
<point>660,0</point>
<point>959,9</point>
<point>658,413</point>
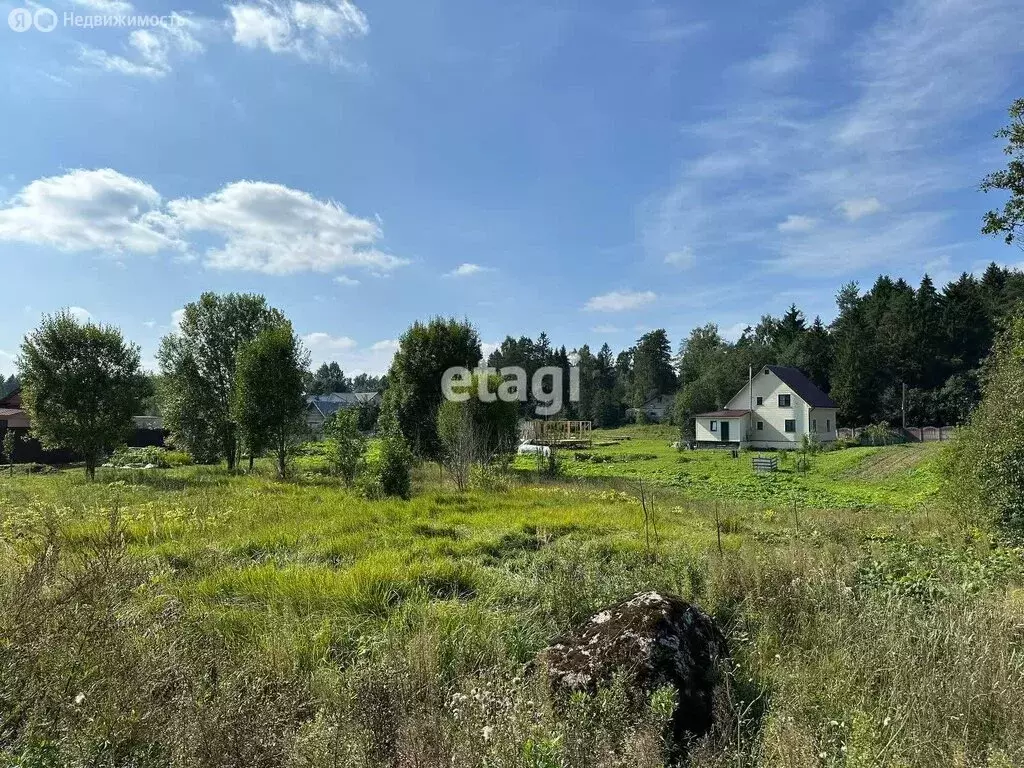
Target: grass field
<point>192,617</point>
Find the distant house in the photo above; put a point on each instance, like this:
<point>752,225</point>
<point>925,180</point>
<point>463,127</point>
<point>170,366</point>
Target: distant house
<point>657,408</point>
<point>148,431</point>
<point>774,410</point>
<point>319,408</point>
<point>11,413</point>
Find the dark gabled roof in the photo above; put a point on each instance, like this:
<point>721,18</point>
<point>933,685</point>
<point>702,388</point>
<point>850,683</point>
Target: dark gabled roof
<point>802,386</point>
<point>333,402</point>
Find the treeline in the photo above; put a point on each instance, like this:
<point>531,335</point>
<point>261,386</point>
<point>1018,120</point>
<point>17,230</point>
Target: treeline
<point>8,385</point>
<point>329,377</point>
<point>889,338</point>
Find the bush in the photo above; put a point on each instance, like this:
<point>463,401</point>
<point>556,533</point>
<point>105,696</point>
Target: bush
<point>141,457</point>
<point>394,466</point>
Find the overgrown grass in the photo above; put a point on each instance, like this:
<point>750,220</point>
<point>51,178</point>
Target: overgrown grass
<point>191,617</point>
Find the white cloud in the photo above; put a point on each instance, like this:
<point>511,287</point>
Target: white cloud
<point>733,332</point>
<point>790,49</point>
<point>80,314</point>
<point>152,51</point>
<point>177,317</point>
<point>149,323</point>
<point>309,30</point>
<point>683,257</point>
<point>278,230</point>
<point>797,223</point>
<point>261,227</point>
<point>882,134</point>
<point>619,301</point>
<point>374,359</point>
<point>858,209</point>
<point>467,270</point>
<point>109,7</point>
<point>605,329</point>
<point>324,342</point>
<point>345,280</point>
<point>486,348</point>
<point>99,210</point>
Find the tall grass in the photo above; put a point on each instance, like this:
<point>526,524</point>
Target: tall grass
<point>192,618</point>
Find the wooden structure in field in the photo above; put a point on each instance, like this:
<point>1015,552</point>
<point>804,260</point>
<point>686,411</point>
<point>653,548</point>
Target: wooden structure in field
<point>563,433</point>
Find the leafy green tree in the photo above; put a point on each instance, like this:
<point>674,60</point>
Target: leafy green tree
<point>347,444</point>
<point>198,367</point>
<point>268,404</point>
<point>984,467</point>
<point>425,352</point>
<point>394,467</point>
<point>474,431</point>
<point>81,386</point>
<point>1008,221</point>
<point>328,378</point>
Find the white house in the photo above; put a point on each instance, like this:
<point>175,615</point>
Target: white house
<point>774,410</point>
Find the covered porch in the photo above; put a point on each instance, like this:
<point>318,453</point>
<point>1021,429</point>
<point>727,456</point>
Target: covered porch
<point>725,428</point>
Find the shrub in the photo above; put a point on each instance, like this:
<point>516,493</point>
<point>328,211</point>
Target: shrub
<point>160,457</point>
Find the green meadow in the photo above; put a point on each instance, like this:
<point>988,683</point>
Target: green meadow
<point>194,617</point>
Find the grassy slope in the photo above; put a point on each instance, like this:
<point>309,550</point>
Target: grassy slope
<point>310,577</point>
<point>894,476</point>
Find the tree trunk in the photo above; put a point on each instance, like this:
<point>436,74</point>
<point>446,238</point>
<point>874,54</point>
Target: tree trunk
<point>251,459</point>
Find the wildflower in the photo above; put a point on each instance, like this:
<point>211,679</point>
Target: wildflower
<point>487,731</point>
<point>79,699</point>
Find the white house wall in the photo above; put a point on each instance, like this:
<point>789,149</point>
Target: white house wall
<point>704,434</point>
<point>769,387</point>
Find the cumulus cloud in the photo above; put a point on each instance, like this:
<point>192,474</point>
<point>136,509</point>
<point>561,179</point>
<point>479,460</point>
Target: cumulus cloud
<point>258,226</point>
<point>278,230</point>
<point>99,210</point>
<point>373,359</point>
<point>80,314</point>
<point>346,280</point>
<point>326,342</point>
<point>309,30</point>
<point>619,301</point>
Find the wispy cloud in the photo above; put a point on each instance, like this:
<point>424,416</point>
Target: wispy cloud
<point>797,223</point>
<point>858,209</point>
<point>868,168</point>
<point>683,257</point>
<point>467,270</point>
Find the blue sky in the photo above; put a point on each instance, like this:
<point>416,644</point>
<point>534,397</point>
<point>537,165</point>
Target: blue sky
<point>591,169</point>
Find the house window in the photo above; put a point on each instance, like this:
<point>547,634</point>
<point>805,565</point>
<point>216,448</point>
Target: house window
<point>828,425</point>
<point>785,401</point>
<point>714,426</point>
<point>814,425</point>
<point>760,426</point>
<point>760,400</point>
<point>791,425</point>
